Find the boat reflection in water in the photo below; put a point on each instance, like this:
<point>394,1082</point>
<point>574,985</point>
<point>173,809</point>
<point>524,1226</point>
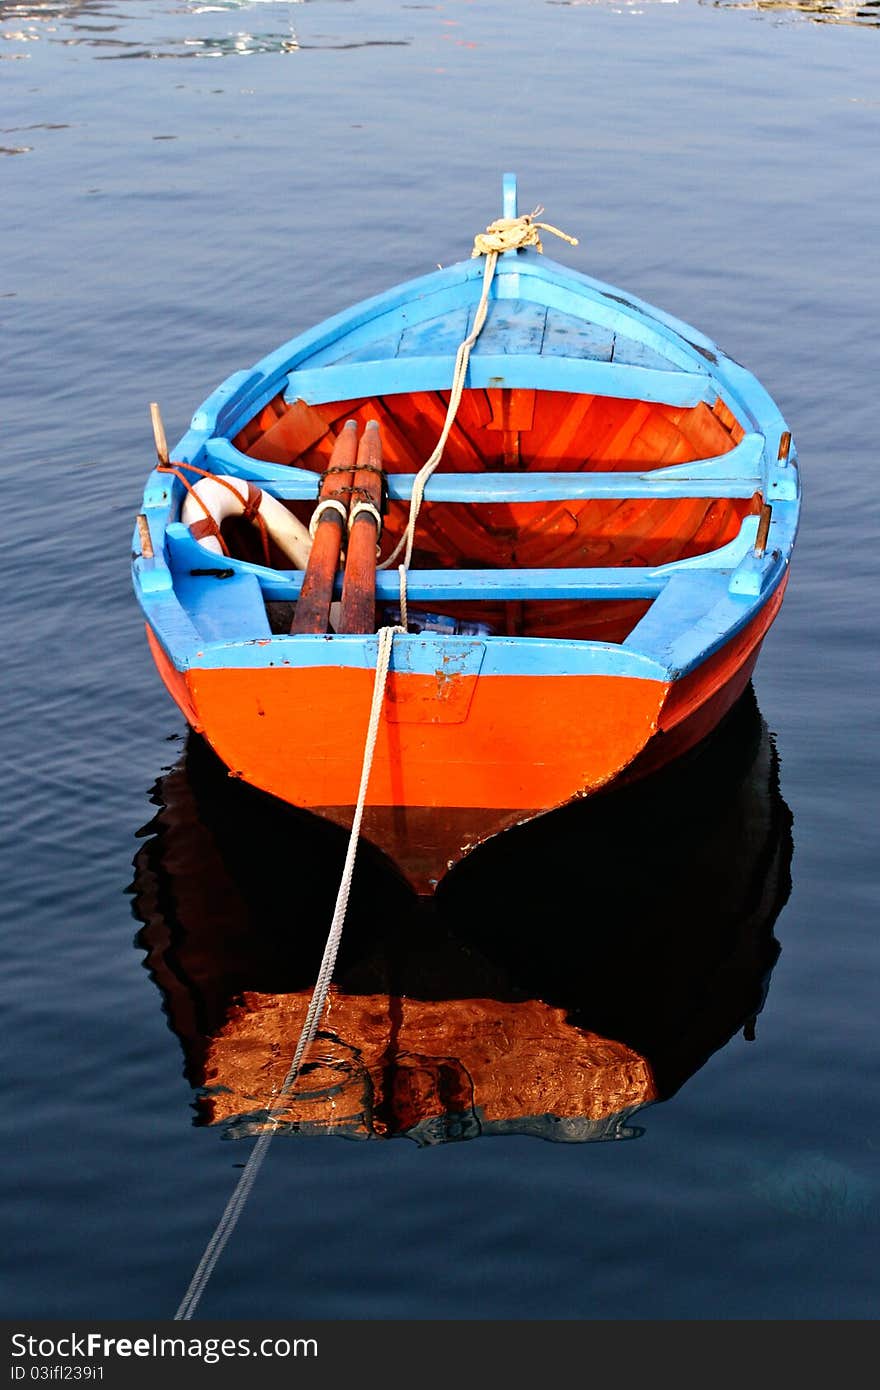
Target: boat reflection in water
<point>567,975</point>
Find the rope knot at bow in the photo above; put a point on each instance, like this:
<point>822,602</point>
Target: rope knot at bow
<point>511,233</point>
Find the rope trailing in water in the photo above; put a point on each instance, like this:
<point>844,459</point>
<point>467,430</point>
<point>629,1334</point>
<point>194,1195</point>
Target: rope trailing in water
<point>506,234</point>
<point>235,1205</point>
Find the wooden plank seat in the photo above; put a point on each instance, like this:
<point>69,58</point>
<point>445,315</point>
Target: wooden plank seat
<point>739,473</point>
<point>734,559</point>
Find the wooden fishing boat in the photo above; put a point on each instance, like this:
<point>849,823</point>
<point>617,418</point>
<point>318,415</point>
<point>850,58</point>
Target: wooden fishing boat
<point>589,574</point>
<point>450,1019</point>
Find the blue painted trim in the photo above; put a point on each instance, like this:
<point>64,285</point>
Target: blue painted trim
<point>626,310</point>
<point>182,644</point>
<point>425,654</point>
<point>689,622</point>
<point>532,276</point>
<point>745,469</point>
<point>394,376</point>
<point>522,283</point>
<point>446,585</point>
<point>151,576</point>
<point>508,196</point>
<point>551,487</point>
<point>387,328</point>
<point>557,291</point>
<point>695,611</point>
<point>224,610</point>
<point>738,473</point>
<point>221,456</point>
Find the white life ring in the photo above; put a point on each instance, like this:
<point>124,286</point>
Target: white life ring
<point>226,496</point>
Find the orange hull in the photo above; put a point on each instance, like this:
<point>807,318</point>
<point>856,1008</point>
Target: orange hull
<point>698,702</point>
<point>503,750</point>
<point>533,741</point>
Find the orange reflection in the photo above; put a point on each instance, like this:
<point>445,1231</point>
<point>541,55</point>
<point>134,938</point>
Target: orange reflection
<point>567,975</point>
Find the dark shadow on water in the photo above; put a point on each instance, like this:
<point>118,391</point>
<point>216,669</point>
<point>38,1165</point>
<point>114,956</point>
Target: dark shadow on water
<point>568,974</point>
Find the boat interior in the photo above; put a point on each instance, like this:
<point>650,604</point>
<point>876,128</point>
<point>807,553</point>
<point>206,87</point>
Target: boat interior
<point>531,479</point>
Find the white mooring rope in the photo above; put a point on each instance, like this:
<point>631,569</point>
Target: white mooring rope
<point>235,1205</point>
<point>506,234</point>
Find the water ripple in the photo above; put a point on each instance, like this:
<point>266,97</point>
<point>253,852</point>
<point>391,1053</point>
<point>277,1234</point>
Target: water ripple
<point>866,14</point>
<point>122,30</point>
<point>117,26</point>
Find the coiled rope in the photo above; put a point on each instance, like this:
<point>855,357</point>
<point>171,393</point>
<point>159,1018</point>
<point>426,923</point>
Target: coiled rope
<point>505,234</point>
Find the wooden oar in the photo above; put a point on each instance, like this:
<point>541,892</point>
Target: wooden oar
<point>358,612</point>
<point>313,605</point>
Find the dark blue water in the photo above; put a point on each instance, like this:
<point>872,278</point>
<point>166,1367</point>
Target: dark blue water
<point>186,186</point>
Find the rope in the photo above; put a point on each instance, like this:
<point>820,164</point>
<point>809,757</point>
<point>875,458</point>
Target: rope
<point>235,1205</point>
<point>510,233</point>
<point>371,510</point>
<point>209,527</point>
<point>329,504</point>
<point>253,514</point>
<point>505,234</point>
<point>202,472</point>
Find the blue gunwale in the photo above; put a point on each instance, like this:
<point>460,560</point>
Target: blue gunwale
<point>701,371</point>
<point>713,596</point>
<point>698,604</point>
